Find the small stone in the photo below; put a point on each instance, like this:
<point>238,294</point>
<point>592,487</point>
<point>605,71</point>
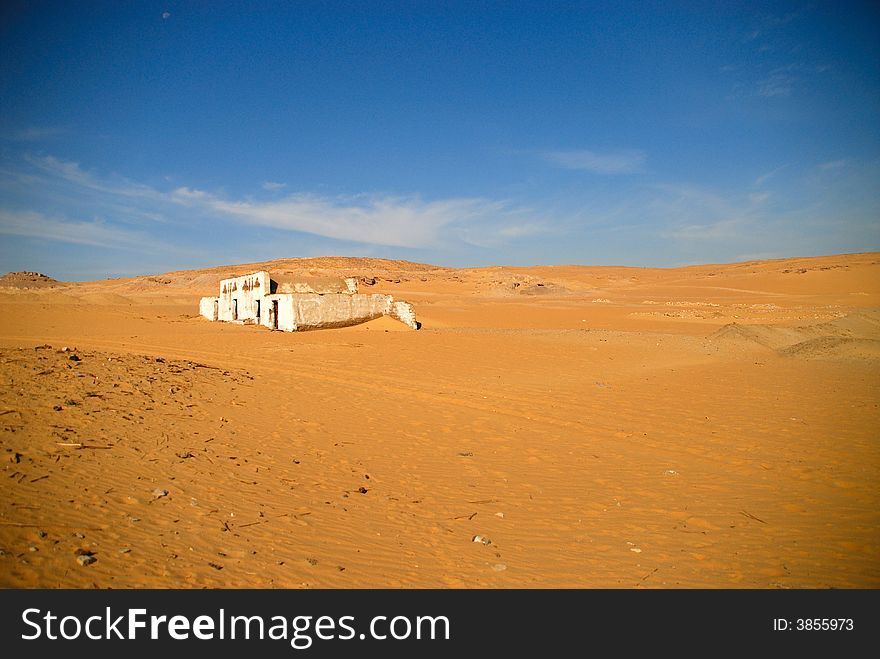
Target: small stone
<point>86,559</point>
<point>32,549</point>
<point>42,534</point>
<point>158,493</point>
<point>124,550</point>
<point>481,539</point>
<point>636,550</point>
<point>671,472</point>
<point>499,567</point>
<point>501,515</point>
<point>65,349</point>
<point>74,358</point>
<point>80,535</point>
<point>15,458</point>
<point>363,490</point>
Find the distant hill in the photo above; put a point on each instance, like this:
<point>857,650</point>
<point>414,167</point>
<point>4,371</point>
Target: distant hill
<point>27,280</point>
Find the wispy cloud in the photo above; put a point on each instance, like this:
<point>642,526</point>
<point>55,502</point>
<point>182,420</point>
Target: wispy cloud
<point>72,172</point>
<point>833,164</point>
<point>95,233</point>
<point>761,180</point>
<point>776,85</point>
<point>370,219</point>
<point>609,162</point>
<point>709,232</point>
<point>384,220</point>
<point>34,134</point>
<point>272,186</point>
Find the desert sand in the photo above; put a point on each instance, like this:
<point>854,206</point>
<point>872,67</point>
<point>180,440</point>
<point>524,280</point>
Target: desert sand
<point>711,426</point>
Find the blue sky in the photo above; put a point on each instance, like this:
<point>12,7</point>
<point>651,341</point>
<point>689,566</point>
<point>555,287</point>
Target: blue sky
<point>141,137</point>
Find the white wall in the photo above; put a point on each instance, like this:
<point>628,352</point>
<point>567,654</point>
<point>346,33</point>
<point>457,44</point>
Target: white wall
<point>208,307</point>
<point>246,290</point>
<point>337,310</point>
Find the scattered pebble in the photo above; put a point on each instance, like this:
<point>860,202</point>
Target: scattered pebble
<point>158,493</point>
<point>74,358</point>
<point>671,472</point>
<point>85,557</point>
<point>499,567</point>
<point>636,550</point>
<point>42,534</point>
<point>32,549</point>
<point>481,539</point>
<point>363,490</point>
<point>124,550</point>
<point>501,515</point>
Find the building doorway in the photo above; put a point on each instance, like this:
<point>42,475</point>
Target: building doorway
<point>258,312</point>
<point>235,310</point>
<point>274,314</point>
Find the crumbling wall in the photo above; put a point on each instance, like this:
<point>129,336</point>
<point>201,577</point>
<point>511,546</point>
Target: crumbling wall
<point>337,310</point>
<point>208,307</point>
<point>405,313</point>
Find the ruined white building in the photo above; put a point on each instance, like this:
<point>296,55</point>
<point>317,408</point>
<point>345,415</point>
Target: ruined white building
<point>299,304</point>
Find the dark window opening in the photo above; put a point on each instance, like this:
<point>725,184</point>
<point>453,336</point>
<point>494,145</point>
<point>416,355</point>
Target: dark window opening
<point>258,311</point>
<point>274,317</point>
<point>235,310</point>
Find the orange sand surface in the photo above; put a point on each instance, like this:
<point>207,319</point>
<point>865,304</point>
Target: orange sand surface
<point>709,426</point>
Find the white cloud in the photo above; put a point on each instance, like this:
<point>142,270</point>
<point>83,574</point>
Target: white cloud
<point>72,172</point>
<point>761,180</point>
<point>383,220</point>
<point>94,233</point>
<point>186,195</point>
<point>710,232</point>
<point>35,134</point>
<point>776,85</point>
<point>613,162</point>
<point>521,230</point>
<point>370,219</point>
<point>272,186</point>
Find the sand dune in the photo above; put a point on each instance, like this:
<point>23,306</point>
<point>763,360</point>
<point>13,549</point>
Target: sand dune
<point>707,426</point>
